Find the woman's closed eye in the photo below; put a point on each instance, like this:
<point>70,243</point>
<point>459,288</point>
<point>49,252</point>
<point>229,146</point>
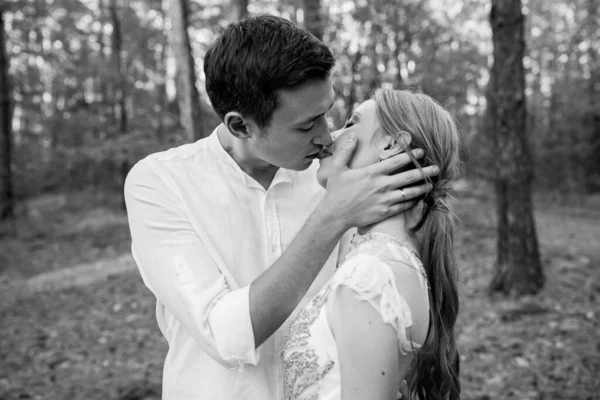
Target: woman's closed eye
<point>354,118</point>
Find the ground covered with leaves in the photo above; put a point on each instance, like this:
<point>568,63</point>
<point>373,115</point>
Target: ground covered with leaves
<point>98,339</point>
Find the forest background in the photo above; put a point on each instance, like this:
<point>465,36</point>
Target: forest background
<point>89,87</point>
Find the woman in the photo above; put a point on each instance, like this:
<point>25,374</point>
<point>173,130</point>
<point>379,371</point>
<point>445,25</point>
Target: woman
<point>393,301</point>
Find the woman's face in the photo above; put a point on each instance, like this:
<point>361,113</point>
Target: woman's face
<point>364,123</point>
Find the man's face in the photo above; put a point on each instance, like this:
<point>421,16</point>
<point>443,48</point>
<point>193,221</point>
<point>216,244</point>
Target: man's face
<point>298,130</point>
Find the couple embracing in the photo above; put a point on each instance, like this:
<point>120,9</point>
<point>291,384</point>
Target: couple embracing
<point>289,262</point>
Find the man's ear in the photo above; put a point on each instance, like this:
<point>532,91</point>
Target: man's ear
<point>395,144</point>
<point>239,126</point>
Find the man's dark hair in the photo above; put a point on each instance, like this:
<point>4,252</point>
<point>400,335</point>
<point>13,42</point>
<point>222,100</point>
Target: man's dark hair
<point>257,56</point>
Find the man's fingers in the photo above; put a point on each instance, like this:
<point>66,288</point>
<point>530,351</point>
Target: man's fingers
<point>344,150</point>
<point>409,194</point>
<point>398,208</point>
<point>411,176</point>
<point>398,161</point>
<point>403,390</point>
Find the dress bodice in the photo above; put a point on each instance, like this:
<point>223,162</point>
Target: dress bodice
<point>311,364</point>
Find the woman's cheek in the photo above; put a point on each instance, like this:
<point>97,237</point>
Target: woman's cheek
<point>322,176</point>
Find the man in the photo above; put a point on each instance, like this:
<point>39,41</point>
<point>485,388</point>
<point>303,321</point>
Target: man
<point>230,232</point>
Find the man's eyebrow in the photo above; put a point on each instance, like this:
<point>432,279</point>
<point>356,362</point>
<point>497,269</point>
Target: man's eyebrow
<point>311,119</point>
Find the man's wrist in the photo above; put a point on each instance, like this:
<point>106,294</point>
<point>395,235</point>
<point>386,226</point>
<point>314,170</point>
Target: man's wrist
<point>327,218</point>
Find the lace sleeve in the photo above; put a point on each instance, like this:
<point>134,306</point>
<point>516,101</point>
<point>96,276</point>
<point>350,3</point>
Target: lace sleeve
<point>373,281</point>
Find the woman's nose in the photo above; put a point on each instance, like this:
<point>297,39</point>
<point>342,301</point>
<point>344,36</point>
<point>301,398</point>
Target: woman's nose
<point>336,134</point>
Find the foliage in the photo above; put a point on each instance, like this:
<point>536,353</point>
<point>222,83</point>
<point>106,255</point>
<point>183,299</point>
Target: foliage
<point>65,82</point>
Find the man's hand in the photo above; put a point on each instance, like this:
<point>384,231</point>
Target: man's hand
<point>403,393</point>
<point>365,196</point>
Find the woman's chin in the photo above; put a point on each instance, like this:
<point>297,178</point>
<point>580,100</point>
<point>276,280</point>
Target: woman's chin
<point>322,177</point>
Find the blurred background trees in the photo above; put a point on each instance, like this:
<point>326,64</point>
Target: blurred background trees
<point>88,87</point>
<point>6,185</point>
<point>97,82</point>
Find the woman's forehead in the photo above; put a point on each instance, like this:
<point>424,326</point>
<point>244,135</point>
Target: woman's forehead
<point>367,112</point>
<point>367,109</point>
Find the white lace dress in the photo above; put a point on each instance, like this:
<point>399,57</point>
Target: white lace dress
<point>310,353</point>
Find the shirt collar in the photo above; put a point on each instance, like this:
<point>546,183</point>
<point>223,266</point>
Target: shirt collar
<point>282,175</point>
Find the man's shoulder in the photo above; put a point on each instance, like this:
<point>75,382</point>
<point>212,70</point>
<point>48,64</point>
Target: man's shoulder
<point>174,161</point>
<point>179,153</point>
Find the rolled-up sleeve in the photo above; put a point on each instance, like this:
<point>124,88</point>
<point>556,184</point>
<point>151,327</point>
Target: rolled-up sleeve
<point>177,267</point>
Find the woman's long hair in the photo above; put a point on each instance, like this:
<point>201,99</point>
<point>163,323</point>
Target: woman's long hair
<point>434,373</point>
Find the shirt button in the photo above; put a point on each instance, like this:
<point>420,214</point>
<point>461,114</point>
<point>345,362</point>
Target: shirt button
<point>273,248</point>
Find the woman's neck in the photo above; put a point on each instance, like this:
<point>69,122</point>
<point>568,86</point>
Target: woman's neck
<point>398,226</point>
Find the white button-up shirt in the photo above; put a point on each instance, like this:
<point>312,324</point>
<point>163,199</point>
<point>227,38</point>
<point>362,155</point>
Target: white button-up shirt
<point>202,230</point>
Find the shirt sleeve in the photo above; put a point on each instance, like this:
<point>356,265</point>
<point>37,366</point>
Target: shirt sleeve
<point>178,269</point>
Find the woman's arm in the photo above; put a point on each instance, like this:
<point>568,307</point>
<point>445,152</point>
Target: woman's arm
<point>367,347</point>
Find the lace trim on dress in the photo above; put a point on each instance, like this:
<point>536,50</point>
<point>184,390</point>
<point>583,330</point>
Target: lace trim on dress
<point>302,368</point>
<point>393,245</point>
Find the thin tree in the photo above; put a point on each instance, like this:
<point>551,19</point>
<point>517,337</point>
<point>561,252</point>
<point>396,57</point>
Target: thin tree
<point>6,187</point>
<point>313,18</point>
<point>117,52</point>
<point>240,9</point>
<point>105,85</point>
<point>594,88</point>
<point>188,97</point>
<point>518,269</point>
<point>354,64</point>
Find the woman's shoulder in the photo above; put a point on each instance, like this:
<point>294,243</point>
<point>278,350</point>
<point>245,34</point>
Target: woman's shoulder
<point>366,279</point>
<point>379,254</point>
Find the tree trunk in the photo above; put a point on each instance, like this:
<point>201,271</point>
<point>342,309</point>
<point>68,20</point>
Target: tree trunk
<point>161,89</point>
<point>313,18</point>
<point>6,188</point>
<point>118,62</point>
<point>354,63</point>
<point>240,9</point>
<point>188,97</point>
<point>519,270</point>
<point>399,82</point>
<point>106,107</point>
<point>375,36</point>
<point>593,178</point>
<point>122,86</point>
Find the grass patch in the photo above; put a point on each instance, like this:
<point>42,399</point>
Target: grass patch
<point>101,341</point>
<point>61,231</point>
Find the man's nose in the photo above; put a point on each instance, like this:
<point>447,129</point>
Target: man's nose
<point>324,139</point>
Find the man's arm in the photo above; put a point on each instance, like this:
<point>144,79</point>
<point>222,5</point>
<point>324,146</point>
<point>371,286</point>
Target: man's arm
<point>275,294</point>
<point>180,270</point>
